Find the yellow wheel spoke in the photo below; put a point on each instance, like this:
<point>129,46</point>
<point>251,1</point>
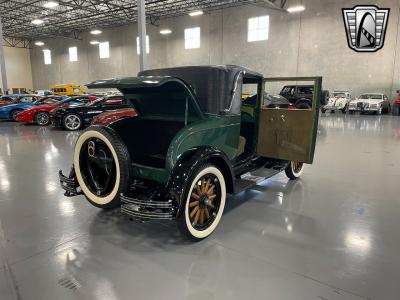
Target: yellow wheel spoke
<point>207,186</point>
<point>195,196</point>
<point>201,216</point>
<point>197,216</point>
<point>207,213</point>
<point>212,197</point>
<point>203,184</point>
<point>194,203</point>
<point>211,190</point>
<point>198,189</point>
<point>193,212</point>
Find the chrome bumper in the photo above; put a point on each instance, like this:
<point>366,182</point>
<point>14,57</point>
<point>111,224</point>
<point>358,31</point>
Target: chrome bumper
<point>70,184</point>
<point>145,210</point>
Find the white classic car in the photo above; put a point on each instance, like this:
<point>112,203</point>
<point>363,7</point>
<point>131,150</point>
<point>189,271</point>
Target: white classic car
<point>338,101</point>
<point>370,103</point>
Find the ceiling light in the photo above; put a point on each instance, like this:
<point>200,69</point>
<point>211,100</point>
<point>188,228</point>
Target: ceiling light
<point>166,31</point>
<point>38,43</point>
<point>294,9</point>
<point>37,22</point>
<point>96,32</point>
<point>94,42</point>
<point>50,4</point>
<point>196,13</point>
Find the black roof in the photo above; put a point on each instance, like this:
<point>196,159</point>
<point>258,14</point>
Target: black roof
<point>214,86</point>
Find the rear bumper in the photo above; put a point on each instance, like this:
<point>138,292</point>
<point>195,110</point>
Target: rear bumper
<point>367,109</point>
<point>147,209</point>
<point>70,184</point>
<point>143,203</point>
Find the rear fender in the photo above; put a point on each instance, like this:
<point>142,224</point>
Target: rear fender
<point>186,165</point>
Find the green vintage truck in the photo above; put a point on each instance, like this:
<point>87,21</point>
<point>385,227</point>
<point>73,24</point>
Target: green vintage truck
<point>190,145</point>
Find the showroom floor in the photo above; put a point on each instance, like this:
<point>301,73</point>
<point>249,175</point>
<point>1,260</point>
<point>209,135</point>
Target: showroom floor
<point>332,235</point>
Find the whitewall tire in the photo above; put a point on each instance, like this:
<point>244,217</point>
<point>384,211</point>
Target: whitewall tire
<point>294,170</point>
<point>112,166</point>
<point>204,205</point>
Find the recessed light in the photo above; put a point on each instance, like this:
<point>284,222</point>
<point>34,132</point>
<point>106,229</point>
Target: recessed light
<point>38,43</point>
<point>37,22</point>
<point>50,4</point>
<point>94,42</point>
<point>294,9</point>
<point>166,31</point>
<point>196,13</point>
<point>96,32</point>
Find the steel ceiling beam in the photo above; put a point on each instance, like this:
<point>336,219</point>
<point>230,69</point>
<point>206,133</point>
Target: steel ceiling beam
<point>78,15</point>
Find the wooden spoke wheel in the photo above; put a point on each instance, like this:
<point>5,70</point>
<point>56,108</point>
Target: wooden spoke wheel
<point>205,202</point>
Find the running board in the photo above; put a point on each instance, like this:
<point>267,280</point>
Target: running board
<point>255,177</point>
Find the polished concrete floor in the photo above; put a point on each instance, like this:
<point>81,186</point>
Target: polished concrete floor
<point>334,234</point>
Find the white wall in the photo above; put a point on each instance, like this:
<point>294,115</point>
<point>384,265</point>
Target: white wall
<point>18,68</point>
<point>307,44</point>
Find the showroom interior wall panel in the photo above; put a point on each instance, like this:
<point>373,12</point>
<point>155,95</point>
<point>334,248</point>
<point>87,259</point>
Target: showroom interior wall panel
<point>311,43</point>
<point>18,68</point>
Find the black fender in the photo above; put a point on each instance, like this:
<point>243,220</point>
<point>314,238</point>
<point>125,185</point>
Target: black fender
<point>188,162</point>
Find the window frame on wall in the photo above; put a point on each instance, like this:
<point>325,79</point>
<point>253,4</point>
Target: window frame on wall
<point>258,29</point>
<point>147,45</point>
<point>73,54</point>
<point>47,56</point>
<point>193,38</point>
<point>104,52</point>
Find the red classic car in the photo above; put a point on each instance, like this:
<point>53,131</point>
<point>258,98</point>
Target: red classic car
<point>396,106</point>
<point>111,116</point>
<point>41,114</point>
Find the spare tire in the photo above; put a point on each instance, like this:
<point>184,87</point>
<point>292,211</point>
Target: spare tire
<point>102,165</point>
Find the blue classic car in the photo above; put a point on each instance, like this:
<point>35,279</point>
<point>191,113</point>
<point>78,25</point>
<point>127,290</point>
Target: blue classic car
<point>9,112</point>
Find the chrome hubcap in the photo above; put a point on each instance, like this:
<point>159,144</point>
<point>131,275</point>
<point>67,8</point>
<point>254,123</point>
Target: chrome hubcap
<point>72,122</point>
<point>42,118</point>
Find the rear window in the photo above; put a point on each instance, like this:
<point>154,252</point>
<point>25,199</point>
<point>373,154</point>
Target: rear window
<point>165,102</point>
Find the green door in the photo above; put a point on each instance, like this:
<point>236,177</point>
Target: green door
<point>289,133</point>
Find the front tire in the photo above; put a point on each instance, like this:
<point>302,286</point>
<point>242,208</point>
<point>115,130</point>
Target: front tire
<point>72,122</point>
<point>42,118</point>
<point>103,166</point>
<point>14,113</point>
<point>204,205</point>
<point>294,170</point>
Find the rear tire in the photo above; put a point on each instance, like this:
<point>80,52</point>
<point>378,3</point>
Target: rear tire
<point>204,203</point>
<point>121,159</point>
<point>294,170</point>
<point>42,118</point>
<point>14,113</point>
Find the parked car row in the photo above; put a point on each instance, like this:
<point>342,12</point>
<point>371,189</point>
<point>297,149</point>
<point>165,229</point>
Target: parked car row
<point>69,113</point>
<point>376,103</point>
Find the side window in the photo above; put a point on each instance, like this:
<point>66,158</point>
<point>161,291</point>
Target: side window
<point>304,90</point>
<point>25,99</point>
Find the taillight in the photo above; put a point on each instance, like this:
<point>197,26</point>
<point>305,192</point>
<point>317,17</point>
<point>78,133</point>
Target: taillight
<point>292,107</point>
